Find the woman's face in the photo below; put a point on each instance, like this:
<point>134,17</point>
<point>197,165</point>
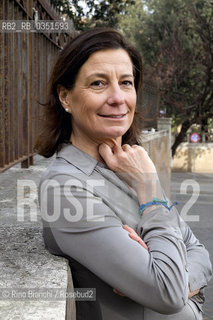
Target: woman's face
<point>102,102</point>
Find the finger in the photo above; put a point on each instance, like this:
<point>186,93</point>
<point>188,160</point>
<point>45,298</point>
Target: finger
<point>135,146</point>
<point>125,147</point>
<point>143,244</point>
<point>127,228</point>
<point>134,236</point>
<point>117,149</point>
<point>192,293</point>
<point>132,232</point>
<point>139,240</point>
<point>105,152</point>
<point>118,292</point>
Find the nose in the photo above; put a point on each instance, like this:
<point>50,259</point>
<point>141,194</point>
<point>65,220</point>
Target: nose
<point>115,96</point>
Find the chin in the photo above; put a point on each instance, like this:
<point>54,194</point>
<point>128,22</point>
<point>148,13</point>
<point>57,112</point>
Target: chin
<point>119,131</point>
<point>116,134</point>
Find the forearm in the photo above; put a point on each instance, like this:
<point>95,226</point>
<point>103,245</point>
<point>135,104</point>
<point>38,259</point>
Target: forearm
<point>149,190</point>
<point>133,235</point>
<point>147,278</point>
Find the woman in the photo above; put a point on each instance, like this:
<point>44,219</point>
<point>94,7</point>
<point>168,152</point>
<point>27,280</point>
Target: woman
<point>144,265</point>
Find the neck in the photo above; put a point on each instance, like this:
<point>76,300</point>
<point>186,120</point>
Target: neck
<point>91,146</point>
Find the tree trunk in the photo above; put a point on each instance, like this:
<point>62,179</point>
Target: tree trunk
<point>180,137</point>
<point>204,129</point>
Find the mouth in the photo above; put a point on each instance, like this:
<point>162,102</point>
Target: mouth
<point>113,116</point>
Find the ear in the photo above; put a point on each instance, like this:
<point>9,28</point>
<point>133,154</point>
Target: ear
<point>63,95</point>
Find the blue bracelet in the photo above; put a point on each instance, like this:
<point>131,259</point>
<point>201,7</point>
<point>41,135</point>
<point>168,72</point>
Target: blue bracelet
<point>156,201</point>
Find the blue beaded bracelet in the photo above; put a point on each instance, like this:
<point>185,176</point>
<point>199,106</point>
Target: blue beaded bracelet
<point>156,202</point>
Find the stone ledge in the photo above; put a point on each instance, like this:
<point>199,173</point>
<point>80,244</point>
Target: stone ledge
<point>149,136</point>
<point>25,263</point>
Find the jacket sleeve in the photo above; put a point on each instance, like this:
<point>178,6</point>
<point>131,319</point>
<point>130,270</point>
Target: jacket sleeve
<point>88,230</point>
<point>198,261</point>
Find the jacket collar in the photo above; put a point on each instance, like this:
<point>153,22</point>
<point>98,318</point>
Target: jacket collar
<point>87,164</point>
<point>78,158</point>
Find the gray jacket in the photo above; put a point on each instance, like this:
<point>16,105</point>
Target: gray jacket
<point>84,205</point>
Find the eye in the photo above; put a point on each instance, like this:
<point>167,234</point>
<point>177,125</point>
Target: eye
<point>97,84</point>
<point>128,83</point>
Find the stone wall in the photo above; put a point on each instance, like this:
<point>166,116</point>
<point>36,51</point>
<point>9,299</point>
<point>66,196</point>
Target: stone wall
<point>33,282</point>
<point>157,144</point>
<point>191,157</point>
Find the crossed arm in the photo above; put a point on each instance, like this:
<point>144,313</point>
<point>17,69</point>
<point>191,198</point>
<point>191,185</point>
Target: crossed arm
<point>156,279</point>
<point>134,236</point>
<point>135,166</point>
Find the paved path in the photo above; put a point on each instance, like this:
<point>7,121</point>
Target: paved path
<point>194,192</point>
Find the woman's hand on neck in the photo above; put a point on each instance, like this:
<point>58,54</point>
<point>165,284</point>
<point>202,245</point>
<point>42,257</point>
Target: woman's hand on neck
<point>91,146</point>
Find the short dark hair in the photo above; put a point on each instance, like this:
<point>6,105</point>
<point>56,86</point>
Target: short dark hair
<point>57,127</point>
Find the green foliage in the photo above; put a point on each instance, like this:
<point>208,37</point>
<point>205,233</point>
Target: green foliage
<point>176,42</point>
<point>106,12</point>
<point>210,123</point>
<point>70,9</point>
<point>98,13</point>
<point>131,24</point>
